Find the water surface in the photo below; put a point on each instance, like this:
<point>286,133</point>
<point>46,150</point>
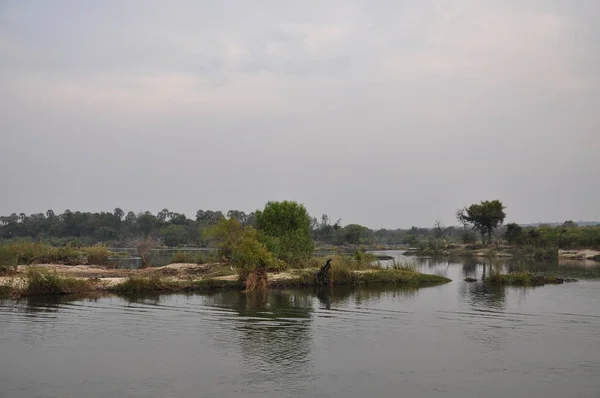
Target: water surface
<point>455,340</point>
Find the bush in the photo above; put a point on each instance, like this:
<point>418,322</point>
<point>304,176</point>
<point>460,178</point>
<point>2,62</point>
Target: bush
<point>286,231</point>
<point>243,247</point>
<point>249,254</point>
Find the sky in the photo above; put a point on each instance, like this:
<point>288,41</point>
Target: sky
<point>383,113</point>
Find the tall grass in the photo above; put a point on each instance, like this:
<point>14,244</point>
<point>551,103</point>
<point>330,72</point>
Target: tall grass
<point>43,283</point>
<point>97,255</point>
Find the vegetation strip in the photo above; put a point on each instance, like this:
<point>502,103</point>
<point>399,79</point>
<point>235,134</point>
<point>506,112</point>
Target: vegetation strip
<point>40,282</point>
<point>526,279</point>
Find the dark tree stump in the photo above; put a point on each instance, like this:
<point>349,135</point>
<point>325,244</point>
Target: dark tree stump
<point>324,274</point>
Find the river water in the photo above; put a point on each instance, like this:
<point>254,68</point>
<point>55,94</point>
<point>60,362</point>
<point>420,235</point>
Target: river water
<point>456,340</point>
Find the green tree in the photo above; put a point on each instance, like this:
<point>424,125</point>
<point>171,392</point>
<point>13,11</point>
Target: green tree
<point>241,245</point>
<point>286,230</point>
<point>483,217</point>
<point>118,213</point>
<point>174,235</point>
<point>514,234</point>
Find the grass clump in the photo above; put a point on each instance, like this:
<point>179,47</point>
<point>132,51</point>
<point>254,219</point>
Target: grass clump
<point>393,276</point>
<point>45,283</point>
<point>523,279</point>
<point>97,255</point>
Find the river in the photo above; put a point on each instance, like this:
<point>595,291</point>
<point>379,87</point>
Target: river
<point>456,340</point>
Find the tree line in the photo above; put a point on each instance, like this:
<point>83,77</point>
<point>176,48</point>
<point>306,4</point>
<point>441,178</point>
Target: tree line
<point>118,228</point>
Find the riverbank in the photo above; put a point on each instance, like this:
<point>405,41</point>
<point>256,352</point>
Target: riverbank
<point>589,255</point>
<point>51,279</point>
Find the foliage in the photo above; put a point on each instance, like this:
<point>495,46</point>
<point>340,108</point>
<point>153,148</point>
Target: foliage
<point>483,217</point>
<point>563,237</point>
<point>114,228</point>
<point>225,235</point>
<point>514,234</point>
<point>286,229</point>
<point>174,235</point>
<point>242,246</point>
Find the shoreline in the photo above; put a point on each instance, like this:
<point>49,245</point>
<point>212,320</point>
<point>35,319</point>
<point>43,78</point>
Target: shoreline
<point>62,280</point>
<point>583,255</point>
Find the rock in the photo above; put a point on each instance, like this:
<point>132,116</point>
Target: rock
<point>470,280</point>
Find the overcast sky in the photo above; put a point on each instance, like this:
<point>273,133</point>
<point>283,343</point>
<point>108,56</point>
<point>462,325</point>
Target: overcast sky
<point>383,113</point>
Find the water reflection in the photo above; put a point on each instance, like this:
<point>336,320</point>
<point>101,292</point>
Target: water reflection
<point>339,296</point>
<point>483,296</point>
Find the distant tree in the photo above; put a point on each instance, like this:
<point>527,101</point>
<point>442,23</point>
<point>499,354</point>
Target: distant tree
<point>130,218</point>
<point>163,215</point>
<point>353,234</point>
<point>286,227</point>
<point>118,213</point>
<point>174,235</point>
<point>483,217</point>
<point>146,223</point>
<point>238,215</point>
<point>514,234</point>
<point>178,219</point>
<point>208,217</point>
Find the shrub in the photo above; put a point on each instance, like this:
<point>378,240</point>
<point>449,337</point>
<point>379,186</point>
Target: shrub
<point>249,254</point>
<point>244,249</point>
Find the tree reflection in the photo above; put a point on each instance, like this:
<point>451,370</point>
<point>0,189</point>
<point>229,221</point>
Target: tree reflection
<point>340,296</point>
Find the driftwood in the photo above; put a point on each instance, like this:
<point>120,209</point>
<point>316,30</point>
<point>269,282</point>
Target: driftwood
<point>324,274</point>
